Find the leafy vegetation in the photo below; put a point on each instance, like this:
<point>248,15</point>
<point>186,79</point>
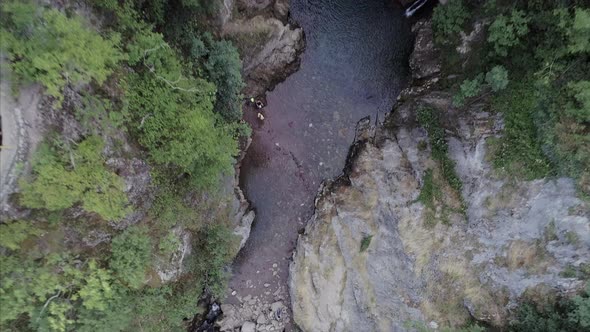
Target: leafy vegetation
<point>429,120</point>
<point>48,47</point>
<point>64,178</point>
<point>131,252</point>
<point>366,242</point>
<point>448,20</point>
<point>518,151</point>
<point>152,75</point>
<point>545,45</point>
<point>567,315</point>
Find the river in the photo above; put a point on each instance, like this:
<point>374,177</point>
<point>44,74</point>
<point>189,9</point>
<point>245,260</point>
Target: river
<point>354,65</point>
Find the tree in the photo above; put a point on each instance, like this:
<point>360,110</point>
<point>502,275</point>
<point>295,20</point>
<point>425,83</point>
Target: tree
<point>507,31</point>
<point>48,47</point>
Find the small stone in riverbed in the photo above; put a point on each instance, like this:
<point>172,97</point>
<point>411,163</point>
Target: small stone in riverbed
<point>266,285</point>
<point>275,265</point>
<point>310,125</point>
<point>234,293</point>
<point>261,319</point>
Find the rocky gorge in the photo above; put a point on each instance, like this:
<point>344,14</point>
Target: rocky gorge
<point>378,256</point>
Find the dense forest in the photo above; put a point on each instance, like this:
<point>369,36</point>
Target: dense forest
<point>153,74</point>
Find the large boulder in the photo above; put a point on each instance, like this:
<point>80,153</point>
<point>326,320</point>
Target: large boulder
<point>269,50</point>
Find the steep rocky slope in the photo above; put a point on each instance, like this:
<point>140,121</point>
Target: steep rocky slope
<point>392,242</point>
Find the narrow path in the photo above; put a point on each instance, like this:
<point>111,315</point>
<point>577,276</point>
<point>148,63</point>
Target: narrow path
<point>20,127</point>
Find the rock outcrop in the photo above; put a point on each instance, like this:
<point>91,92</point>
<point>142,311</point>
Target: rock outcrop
<point>269,47</point>
<point>375,258</point>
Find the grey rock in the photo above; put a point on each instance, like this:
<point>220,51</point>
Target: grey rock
<point>248,327</point>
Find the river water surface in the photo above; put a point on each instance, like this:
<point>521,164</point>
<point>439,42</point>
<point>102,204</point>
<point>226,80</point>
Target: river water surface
<point>354,65</point>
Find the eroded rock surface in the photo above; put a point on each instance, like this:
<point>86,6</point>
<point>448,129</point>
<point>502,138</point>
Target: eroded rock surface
<point>269,47</point>
<point>374,258</point>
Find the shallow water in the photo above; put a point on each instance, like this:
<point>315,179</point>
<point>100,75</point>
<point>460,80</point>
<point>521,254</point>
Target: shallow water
<point>354,65</point>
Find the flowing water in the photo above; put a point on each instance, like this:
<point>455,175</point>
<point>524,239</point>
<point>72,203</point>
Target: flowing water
<point>354,65</point>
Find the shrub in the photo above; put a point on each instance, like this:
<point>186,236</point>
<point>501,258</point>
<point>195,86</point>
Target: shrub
<point>579,32</point>
<point>224,69</point>
<point>518,151</point>
<point>131,255</point>
<point>567,315</point>
<point>62,180</point>
<point>448,20</point>
<point>506,31</point>
<point>497,78</point>
<point>12,234</point>
<point>468,89</point>
<point>366,242</point>
<point>218,244</point>
<point>48,47</point>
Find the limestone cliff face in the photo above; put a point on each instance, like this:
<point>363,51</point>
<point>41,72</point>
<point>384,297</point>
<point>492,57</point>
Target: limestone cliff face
<point>374,258</point>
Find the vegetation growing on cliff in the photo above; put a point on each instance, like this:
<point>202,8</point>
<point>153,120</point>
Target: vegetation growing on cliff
<point>151,84</point>
<point>531,63</point>
<point>543,47</point>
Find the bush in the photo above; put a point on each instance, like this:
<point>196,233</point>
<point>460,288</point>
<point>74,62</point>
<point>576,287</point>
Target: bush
<point>64,178</point>
<point>448,20</point>
<point>497,78</point>
<point>567,315</point>
<point>218,243</point>
<point>131,255</point>
<point>518,151</point>
<point>468,89</point>
<point>224,69</point>
<point>48,47</point>
<point>506,31</point>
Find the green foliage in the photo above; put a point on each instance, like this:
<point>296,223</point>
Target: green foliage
<point>131,256</point>
<point>428,118</point>
<point>169,244</point>
<point>224,69</point>
<point>48,47</point>
<point>580,108</point>
<point>429,191</point>
<point>12,234</point>
<point>567,315</point>
<point>468,89</point>
<point>62,179</point>
<point>507,31</point>
<point>497,78</point>
<point>448,21</point>
<point>579,35</point>
<point>366,242</point>
<point>518,151</point>
<point>220,244</point>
